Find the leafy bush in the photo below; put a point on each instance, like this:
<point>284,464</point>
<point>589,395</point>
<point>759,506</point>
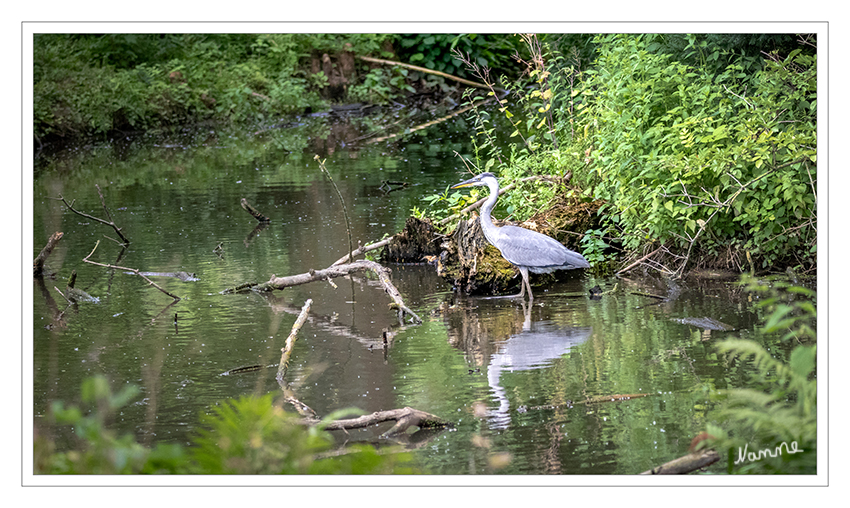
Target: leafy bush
<point>95,84</point>
<point>248,435</point>
<point>99,450</point>
<point>690,157</point>
<point>434,51</point>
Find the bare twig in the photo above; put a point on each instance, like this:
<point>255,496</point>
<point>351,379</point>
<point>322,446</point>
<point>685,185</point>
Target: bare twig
<point>639,261</point>
<point>109,222</point>
<point>63,294</point>
<point>342,202</point>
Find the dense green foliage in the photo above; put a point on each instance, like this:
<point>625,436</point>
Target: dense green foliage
<point>249,435</point>
<point>781,405</point>
<point>99,83</point>
<point>719,154</point>
<point>705,144</point>
<point>434,51</point>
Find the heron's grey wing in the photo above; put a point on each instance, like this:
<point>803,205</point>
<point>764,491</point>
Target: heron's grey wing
<point>538,252</point>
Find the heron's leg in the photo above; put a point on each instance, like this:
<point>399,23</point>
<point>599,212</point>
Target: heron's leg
<point>524,272</point>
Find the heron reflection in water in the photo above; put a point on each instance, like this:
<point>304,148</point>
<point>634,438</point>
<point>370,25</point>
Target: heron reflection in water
<point>527,250</point>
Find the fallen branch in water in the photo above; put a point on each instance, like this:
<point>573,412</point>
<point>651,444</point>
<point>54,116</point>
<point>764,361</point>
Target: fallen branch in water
<point>404,418</point>
<point>686,464</point>
<point>38,263</point>
<point>363,250</point>
<point>109,222</point>
<point>254,212</point>
<point>136,271</point>
<point>333,272</point>
<point>286,351</point>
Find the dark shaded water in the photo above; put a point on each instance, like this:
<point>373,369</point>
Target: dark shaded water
<point>513,379</point>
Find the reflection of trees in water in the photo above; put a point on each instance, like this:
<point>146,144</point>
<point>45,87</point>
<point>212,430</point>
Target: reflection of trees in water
<point>507,339</point>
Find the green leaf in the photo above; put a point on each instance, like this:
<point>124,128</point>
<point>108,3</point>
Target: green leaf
<point>802,360</point>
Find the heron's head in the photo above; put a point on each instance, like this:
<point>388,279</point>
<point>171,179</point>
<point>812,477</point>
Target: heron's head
<point>477,181</point>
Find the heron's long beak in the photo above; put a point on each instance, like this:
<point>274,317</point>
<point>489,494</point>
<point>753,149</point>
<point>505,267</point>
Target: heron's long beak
<point>467,183</point>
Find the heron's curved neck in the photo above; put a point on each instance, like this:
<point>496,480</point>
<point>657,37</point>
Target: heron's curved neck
<point>486,221</point>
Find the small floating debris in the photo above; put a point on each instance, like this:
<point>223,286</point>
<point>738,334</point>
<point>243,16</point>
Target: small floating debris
<point>705,323</point>
<point>78,295</point>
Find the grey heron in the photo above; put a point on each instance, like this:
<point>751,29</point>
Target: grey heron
<point>527,250</point>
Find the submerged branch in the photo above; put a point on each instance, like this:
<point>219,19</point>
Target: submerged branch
<point>38,263</point>
<point>254,212</point>
<point>136,271</point>
<point>639,261</point>
<point>421,126</point>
